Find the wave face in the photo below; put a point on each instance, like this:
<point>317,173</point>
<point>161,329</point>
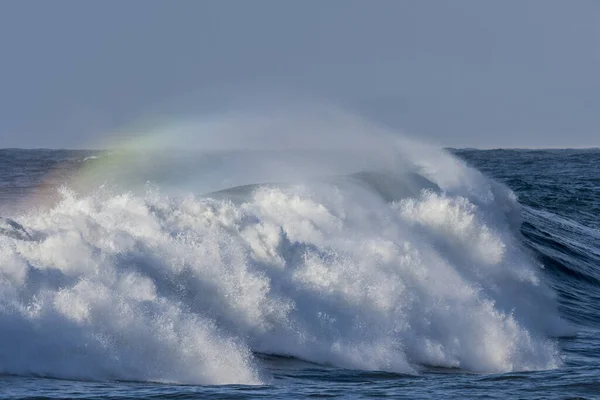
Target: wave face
<point>559,193</point>
<point>386,269</point>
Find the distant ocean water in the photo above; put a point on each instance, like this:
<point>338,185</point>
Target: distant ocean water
<point>467,275</point>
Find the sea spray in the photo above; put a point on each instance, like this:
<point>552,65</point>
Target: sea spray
<point>377,254</point>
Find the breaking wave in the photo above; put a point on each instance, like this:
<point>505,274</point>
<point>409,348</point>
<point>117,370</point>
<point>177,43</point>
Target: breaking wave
<point>385,255</point>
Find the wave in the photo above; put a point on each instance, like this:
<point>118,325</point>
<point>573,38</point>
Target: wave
<point>570,256</point>
<point>384,269</point>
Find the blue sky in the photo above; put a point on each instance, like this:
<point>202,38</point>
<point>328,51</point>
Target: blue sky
<point>513,73</point>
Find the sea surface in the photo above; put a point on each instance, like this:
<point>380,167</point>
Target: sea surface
<point>451,274</point>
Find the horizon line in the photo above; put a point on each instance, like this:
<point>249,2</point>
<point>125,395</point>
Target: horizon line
<point>442,147</point>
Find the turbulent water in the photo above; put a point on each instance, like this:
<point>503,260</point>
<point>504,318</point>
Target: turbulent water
<point>187,273</point>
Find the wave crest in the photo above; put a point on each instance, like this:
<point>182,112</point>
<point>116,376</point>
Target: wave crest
<point>373,270</point>
<point>183,289</point>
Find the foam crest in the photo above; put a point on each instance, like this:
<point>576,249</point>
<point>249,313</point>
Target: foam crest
<point>381,255</point>
<point>159,288</point>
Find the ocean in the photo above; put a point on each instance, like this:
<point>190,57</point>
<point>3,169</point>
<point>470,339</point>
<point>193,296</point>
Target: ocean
<point>183,274</point>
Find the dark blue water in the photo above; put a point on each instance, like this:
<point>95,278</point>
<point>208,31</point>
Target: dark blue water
<point>560,194</point>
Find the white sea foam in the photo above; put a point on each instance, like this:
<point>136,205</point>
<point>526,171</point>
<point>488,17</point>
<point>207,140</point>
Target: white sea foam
<point>380,271</point>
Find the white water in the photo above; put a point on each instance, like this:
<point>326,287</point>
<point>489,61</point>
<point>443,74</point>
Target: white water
<point>154,287</point>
